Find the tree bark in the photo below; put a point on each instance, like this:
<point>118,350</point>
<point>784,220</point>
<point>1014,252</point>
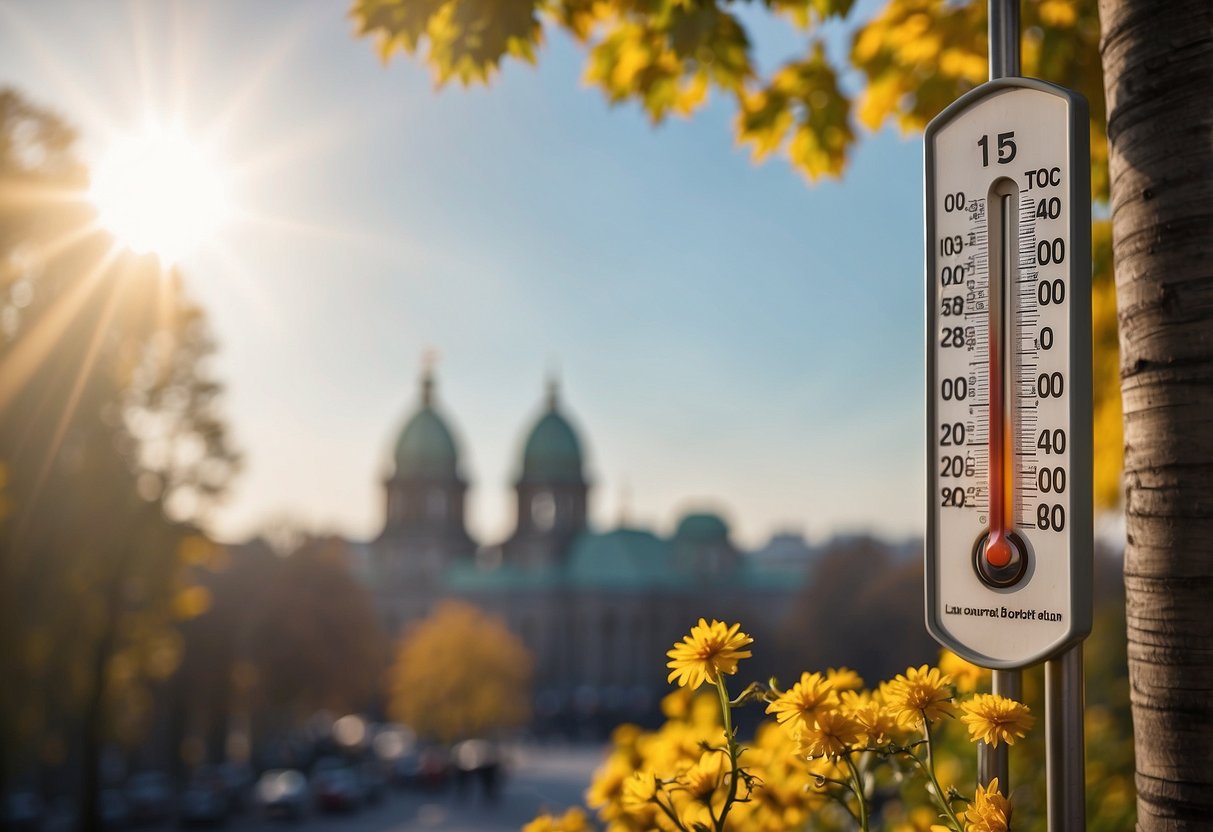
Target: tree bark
<point>1158,73</point>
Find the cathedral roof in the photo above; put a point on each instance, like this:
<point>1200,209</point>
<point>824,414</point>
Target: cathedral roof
<point>702,527</point>
<point>552,453</point>
<point>425,448</point>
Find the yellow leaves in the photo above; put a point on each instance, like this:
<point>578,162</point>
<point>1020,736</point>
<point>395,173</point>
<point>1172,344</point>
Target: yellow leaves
<point>191,602</point>
<point>460,673</point>
<point>669,60</point>
<point>1108,428</point>
<point>803,111</point>
<point>197,550</point>
<point>1058,13</point>
<point>916,56</point>
<point>466,38</point>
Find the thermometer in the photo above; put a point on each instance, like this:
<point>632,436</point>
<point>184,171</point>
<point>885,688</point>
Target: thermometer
<point>1008,373</point>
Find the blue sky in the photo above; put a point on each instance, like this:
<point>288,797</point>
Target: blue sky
<point>726,336</point>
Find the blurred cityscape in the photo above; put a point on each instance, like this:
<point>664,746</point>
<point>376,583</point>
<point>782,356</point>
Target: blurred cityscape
<point>417,677</point>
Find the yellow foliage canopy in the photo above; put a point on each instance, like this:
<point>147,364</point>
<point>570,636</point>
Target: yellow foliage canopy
<point>459,674</point>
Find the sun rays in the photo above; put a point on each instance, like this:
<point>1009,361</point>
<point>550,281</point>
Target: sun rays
<point>176,164</point>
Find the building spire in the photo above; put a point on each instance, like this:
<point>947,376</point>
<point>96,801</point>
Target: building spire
<point>625,504</point>
<point>553,388</point>
<point>428,359</point>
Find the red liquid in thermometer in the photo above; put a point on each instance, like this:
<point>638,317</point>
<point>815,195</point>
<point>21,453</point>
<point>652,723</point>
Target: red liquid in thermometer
<point>999,550</point>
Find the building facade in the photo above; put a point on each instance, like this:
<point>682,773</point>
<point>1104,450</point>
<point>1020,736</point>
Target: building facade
<point>597,609</point>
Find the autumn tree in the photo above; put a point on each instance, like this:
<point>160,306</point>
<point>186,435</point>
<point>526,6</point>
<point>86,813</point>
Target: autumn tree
<point>314,639</point>
<point>460,674</point>
<point>1145,69</point>
<point>111,445</point>
<point>856,605</point>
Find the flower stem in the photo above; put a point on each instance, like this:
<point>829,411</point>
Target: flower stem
<point>727,715</point>
<point>669,813</point>
<point>857,787</point>
<point>929,768</point>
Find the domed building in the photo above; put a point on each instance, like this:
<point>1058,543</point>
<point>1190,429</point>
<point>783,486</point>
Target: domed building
<point>424,532</point>
<point>597,609</point>
<point>552,492</point>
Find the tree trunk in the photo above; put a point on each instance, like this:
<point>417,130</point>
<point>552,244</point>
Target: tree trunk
<point>1158,72</point>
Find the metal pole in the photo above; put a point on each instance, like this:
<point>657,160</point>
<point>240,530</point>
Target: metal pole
<point>1004,38</point>
<point>992,762</point>
<point>1004,62</point>
<point>1064,755</point>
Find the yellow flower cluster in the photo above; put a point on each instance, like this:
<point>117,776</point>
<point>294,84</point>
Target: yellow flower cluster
<point>666,780</point>
<point>574,820</point>
<point>808,765</point>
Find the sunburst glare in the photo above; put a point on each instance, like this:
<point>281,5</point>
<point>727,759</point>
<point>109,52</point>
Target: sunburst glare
<point>160,193</point>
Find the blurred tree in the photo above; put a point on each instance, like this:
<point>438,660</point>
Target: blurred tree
<point>855,611</point>
<point>111,446</point>
<point>460,674</point>
<point>287,634</point>
<point>315,641</point>
<point>916,56</point>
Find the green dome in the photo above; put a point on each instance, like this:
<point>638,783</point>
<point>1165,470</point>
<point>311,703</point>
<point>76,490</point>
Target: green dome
<point>426,448</point>
<point>552,453</point>
<point>702,528</point>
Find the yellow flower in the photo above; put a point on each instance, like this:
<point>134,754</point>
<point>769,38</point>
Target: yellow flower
<point>989,811</point>
<point>843,678</point>
<point>918,693</point>
<point>639,791</point>
<point>710,649</point>
<point>703,777</point>
<point>967,676</point>
<point>995,719</point>
<point>676,704</point>
<point>797,707</point>
<point>832,733</point>
<point>606,789</point>
<point>574,820</point>
<point>878,722</point>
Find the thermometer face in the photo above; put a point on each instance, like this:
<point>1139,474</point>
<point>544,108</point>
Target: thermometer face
<point>1008,373</point>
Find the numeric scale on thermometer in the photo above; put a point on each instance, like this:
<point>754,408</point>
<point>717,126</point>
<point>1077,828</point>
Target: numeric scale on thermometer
<point>1008,371</point>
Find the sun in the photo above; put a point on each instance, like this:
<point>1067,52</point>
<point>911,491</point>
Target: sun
<point>160,193</point>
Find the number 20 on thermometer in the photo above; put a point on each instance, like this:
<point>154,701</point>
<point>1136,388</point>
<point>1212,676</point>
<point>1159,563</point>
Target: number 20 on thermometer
<point>1008,373</point>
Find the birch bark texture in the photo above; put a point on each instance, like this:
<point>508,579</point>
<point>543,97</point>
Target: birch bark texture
<point>1158,73</point>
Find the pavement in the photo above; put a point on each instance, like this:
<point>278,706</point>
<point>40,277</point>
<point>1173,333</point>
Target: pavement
<point>540,779</point>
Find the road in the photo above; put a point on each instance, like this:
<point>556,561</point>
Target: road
<point>540,778</point>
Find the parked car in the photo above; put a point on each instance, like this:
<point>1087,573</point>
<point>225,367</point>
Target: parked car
<point>282,793</point>
<point>203,803</point>
<point>337,787</point>
<point>115,811</point>
<point>22,811</point>
<point>149,795</point>
<point>426,768</point>
<point>373,777</point>
<point>237,781</point>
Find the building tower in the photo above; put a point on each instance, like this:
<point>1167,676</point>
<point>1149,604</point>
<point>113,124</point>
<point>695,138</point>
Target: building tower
<point>424,530</point>
<point>552,491</point>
